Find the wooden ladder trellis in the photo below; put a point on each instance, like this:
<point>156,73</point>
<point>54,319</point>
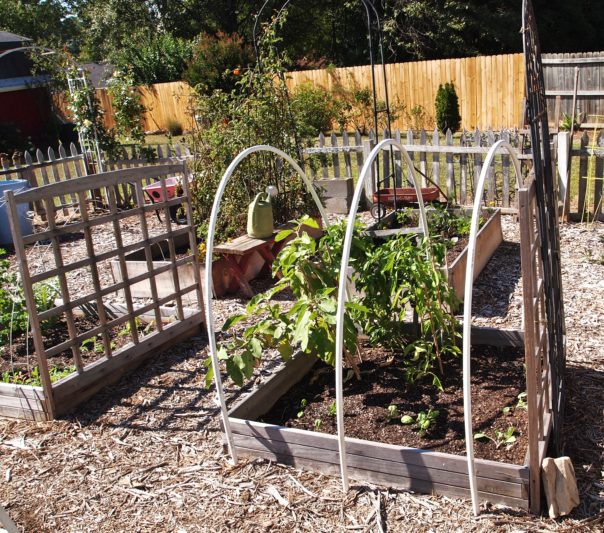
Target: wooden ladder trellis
<point>538,371</point>
<point>87,220</point>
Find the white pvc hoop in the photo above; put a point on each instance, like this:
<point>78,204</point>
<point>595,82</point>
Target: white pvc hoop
<point>342,295</point>
<point>467,310</point>
<point>208,292</point>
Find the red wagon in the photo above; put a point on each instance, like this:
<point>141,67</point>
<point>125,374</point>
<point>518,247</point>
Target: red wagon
<point>403,195</point>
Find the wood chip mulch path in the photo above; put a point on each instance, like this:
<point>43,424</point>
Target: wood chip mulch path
<point>146,454</point>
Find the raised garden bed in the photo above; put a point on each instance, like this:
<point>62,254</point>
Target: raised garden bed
<point>489,237</point>
<point>427,469</point>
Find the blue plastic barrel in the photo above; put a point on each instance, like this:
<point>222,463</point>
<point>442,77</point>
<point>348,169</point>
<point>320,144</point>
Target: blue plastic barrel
<point>25,222</point>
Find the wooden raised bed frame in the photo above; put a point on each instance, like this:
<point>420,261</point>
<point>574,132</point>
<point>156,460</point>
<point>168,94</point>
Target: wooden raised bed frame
<point>417,469</point>
<point>386,464</point>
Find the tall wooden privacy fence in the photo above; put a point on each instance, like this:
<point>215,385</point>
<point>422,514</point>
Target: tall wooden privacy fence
<point>453,163</point>
<point>559,77</point>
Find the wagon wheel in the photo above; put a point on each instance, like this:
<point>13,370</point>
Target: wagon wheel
<point>377,211</point>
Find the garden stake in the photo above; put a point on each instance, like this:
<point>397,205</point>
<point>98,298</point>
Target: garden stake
<point>208,285</point>
<point>423,224</point>
<point>467,310</point>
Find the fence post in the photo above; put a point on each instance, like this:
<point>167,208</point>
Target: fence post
<point>463,171</point>
<point>564,156</point>
<point>369,186</point>
<point>436,158</point>
<point>582,174</point>
<point>451,192</point>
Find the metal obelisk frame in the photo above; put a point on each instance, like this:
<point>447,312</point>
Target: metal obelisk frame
<point>547,204</point>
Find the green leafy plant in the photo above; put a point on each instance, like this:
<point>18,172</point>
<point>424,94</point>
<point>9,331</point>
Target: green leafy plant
<point>506,437</point>
<point>303,404</point>
<point>425,420</point>
<point>333,409</point>
<point>310,270</point>
<point>565,123</point>
<point>317,424</point>
<point>407,420</point>
<point>521,403</point>
<point>32,378</point>
<point>399,274</point>
<point>393,413</point>
<point>447,108</point>
<point>418,119</point>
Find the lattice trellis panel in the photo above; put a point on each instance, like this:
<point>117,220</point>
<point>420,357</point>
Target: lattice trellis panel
<point>547,209</point>
<point>104,335</point>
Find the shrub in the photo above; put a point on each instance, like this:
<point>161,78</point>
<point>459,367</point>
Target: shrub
<point>418,119</point>
<point>315,109</point>
<point>447,108</point>
<point>217,62</point>
<point>156,58</point>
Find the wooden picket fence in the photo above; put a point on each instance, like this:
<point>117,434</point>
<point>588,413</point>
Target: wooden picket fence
<point>60,165</point>
<point>453,163</point>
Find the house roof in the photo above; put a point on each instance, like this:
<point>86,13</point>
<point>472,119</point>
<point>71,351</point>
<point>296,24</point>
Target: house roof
<point>10,40</point>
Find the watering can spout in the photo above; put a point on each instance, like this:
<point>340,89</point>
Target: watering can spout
<point>260,217</point>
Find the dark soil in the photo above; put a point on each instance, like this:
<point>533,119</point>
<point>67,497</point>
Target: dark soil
<point>497,380</point>
<point>15,357</point>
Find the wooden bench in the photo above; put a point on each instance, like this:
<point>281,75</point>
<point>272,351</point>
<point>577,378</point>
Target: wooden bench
<point>239,252</point>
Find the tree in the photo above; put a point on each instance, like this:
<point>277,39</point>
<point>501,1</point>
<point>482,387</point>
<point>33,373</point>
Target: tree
<point>46,22</point>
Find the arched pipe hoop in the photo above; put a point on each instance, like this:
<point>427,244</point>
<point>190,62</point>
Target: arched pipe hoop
<point>342,296</point>
<point>208,293</point>
<point>467,309</point>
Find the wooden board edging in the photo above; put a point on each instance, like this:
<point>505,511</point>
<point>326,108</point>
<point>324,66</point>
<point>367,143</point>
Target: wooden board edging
<point>23,401</point>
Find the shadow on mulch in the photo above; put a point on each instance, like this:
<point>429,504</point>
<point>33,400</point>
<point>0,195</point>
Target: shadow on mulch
<point>176,400</point>
<point>583,433</point>
<point>497,282</point>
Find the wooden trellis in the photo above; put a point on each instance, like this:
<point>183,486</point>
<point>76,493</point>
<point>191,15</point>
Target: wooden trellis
<point>86,220</point>
<point>538,372</point>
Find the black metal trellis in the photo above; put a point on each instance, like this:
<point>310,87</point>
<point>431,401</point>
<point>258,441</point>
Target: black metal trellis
<point>547,204</point>
<point>373,18</point>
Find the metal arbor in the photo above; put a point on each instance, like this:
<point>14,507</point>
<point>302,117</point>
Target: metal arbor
<point>547,207</point>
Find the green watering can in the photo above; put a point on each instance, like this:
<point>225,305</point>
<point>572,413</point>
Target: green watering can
<point>260,217</point>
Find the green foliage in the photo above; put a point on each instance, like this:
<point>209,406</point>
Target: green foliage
<point>258,112</point>
<point>217,62</point>
<point>418,119</point>
<point>447,108</point>
<point>333,409</point>
<point>14,318</point>
<point>425,420</point>
<point>315,109</point>
<point>397,274</point>
<point>389,276</point>
<point>317,424</point>
<point>506,437</point>
<point>303,404</point>
<point>565,123</point>
<point>157,57</point>
<point>127,105</point>
<point>87,115</point>
<point>393,413</point>
<point>32,378</point>
<point>309,269</point>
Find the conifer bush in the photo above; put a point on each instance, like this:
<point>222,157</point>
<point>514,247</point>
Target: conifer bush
<point>447,108</point>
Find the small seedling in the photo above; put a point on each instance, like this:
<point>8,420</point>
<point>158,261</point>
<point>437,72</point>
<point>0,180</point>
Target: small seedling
<point>506,437</point>
<point>303,404</point>
<point>521,404</point>
<point>393,412</point>
<point>407,420</point>
<point>333,409</point>
<point>317,424</point>
<point>426,420</point>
